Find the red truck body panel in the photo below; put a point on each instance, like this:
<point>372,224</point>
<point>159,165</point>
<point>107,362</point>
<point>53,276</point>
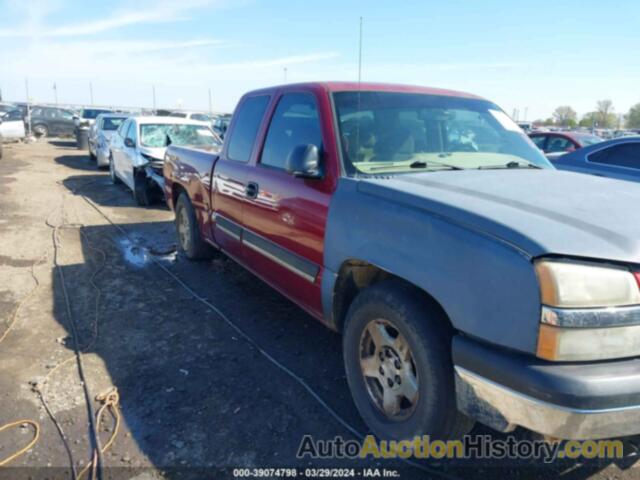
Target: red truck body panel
<point>289,215</point>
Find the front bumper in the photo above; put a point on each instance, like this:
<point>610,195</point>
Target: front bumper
<point>154,173</point>
<point>503,390</point>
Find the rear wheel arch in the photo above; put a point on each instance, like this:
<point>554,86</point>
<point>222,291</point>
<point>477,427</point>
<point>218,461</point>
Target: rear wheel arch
<point>176,190</point>
<point>356,275</point>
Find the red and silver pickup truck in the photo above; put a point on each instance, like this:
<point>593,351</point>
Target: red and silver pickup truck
<point>469,278</point>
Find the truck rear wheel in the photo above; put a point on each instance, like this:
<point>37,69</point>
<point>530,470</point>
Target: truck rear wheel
<point>397,354</point>
<point>189,240</point>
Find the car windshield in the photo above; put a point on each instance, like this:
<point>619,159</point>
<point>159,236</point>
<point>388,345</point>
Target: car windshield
<point>92,113</point>
<point>112,123</point>
<point>587,140</point>
<point>389,132</point>
<point>155,135</point>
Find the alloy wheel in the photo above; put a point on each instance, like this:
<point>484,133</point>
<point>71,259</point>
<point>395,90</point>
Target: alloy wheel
<point>183,229</point>
<point>389,370</point>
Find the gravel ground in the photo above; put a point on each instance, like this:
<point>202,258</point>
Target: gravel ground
<point>196,399</point>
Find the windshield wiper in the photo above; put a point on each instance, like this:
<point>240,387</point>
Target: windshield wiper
<point>423,164</point>
<point>512,164</point>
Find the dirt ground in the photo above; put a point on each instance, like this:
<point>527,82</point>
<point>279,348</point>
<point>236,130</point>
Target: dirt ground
<point>196,399</point>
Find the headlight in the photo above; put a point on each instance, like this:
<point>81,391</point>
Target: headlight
<point>589,311</point>
<point>572,285</point>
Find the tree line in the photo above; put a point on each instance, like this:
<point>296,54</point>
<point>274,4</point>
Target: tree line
<point>603,116</point>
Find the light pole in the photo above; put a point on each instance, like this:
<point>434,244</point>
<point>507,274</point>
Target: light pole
<point>91,92</point>
<point>55,93</point>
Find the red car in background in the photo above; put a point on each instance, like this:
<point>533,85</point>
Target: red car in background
<point>554,144</point>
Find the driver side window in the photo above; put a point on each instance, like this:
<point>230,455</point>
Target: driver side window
<point>131,132</point>
<point>122,129</point>
<point>295,122</point>
<point>559,144</point>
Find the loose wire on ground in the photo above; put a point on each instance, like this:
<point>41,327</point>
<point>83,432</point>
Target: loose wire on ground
<point>12,322</point>
<point>26,448</point>
<point>255,345</point>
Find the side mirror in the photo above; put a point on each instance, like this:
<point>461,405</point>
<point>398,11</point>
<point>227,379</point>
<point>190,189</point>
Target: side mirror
<point>129,143</point>
<point>167,141</point>
<point>304,162</point>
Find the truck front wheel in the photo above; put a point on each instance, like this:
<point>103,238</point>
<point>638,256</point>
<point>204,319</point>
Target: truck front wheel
<point>397,354</point>
<point>189,240</point>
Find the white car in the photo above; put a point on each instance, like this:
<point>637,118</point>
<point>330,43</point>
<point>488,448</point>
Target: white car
<point>100,135</point>
<point>12,125</point>
<point>140,144</point>
<point>194,116</point>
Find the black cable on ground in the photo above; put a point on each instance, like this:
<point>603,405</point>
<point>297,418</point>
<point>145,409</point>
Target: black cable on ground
<point>95,439</point>
<point>255,345</point>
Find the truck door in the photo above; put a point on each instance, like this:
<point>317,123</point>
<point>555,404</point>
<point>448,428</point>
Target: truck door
<point>230,174</point>
<point>285,216</point>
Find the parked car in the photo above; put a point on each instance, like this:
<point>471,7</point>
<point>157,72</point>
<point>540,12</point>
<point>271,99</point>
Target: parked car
<point>555,144</point>
<point>195,116</point>
<point>100,136</point>
<point>47,121</point>
<point>220,125</point>
<point>88,116</point>
<point>470,279</point>
<point>12,126</point>
<point>618,158</point>
<point>6,108</point>
<point>141,142</point>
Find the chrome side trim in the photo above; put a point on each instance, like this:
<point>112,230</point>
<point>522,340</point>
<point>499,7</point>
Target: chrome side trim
<point>282,263</point>
<point>283,257</point>
<point>228,232</point>
<point>591,317</point>
<point>503,409</point>
<point>229,227</point>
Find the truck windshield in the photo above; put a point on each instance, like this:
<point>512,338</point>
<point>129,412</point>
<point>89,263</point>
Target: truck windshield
<point>155,135</point>
<point>389,132</point>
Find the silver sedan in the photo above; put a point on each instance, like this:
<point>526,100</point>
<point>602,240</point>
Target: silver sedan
<point>100,136</point>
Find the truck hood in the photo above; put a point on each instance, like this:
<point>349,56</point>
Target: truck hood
<point>539,212</point>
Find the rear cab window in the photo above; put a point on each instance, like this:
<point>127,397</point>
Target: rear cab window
<point>248,120</point>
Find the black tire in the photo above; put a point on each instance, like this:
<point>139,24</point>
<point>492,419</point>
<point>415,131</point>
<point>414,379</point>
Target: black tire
<point>141,189</point>
<point>112,172</point>
<point>189,240</point>
<point>41,131</point>
<point>426,330</point>
<point>92,157</point>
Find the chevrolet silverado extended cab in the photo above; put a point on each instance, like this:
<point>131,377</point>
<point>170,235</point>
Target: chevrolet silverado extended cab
<point>471,281</point>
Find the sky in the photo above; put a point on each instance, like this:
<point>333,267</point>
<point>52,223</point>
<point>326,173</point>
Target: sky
<point>528,57</point>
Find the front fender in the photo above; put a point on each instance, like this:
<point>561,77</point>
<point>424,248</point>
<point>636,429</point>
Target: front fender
<point>487,287</point>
